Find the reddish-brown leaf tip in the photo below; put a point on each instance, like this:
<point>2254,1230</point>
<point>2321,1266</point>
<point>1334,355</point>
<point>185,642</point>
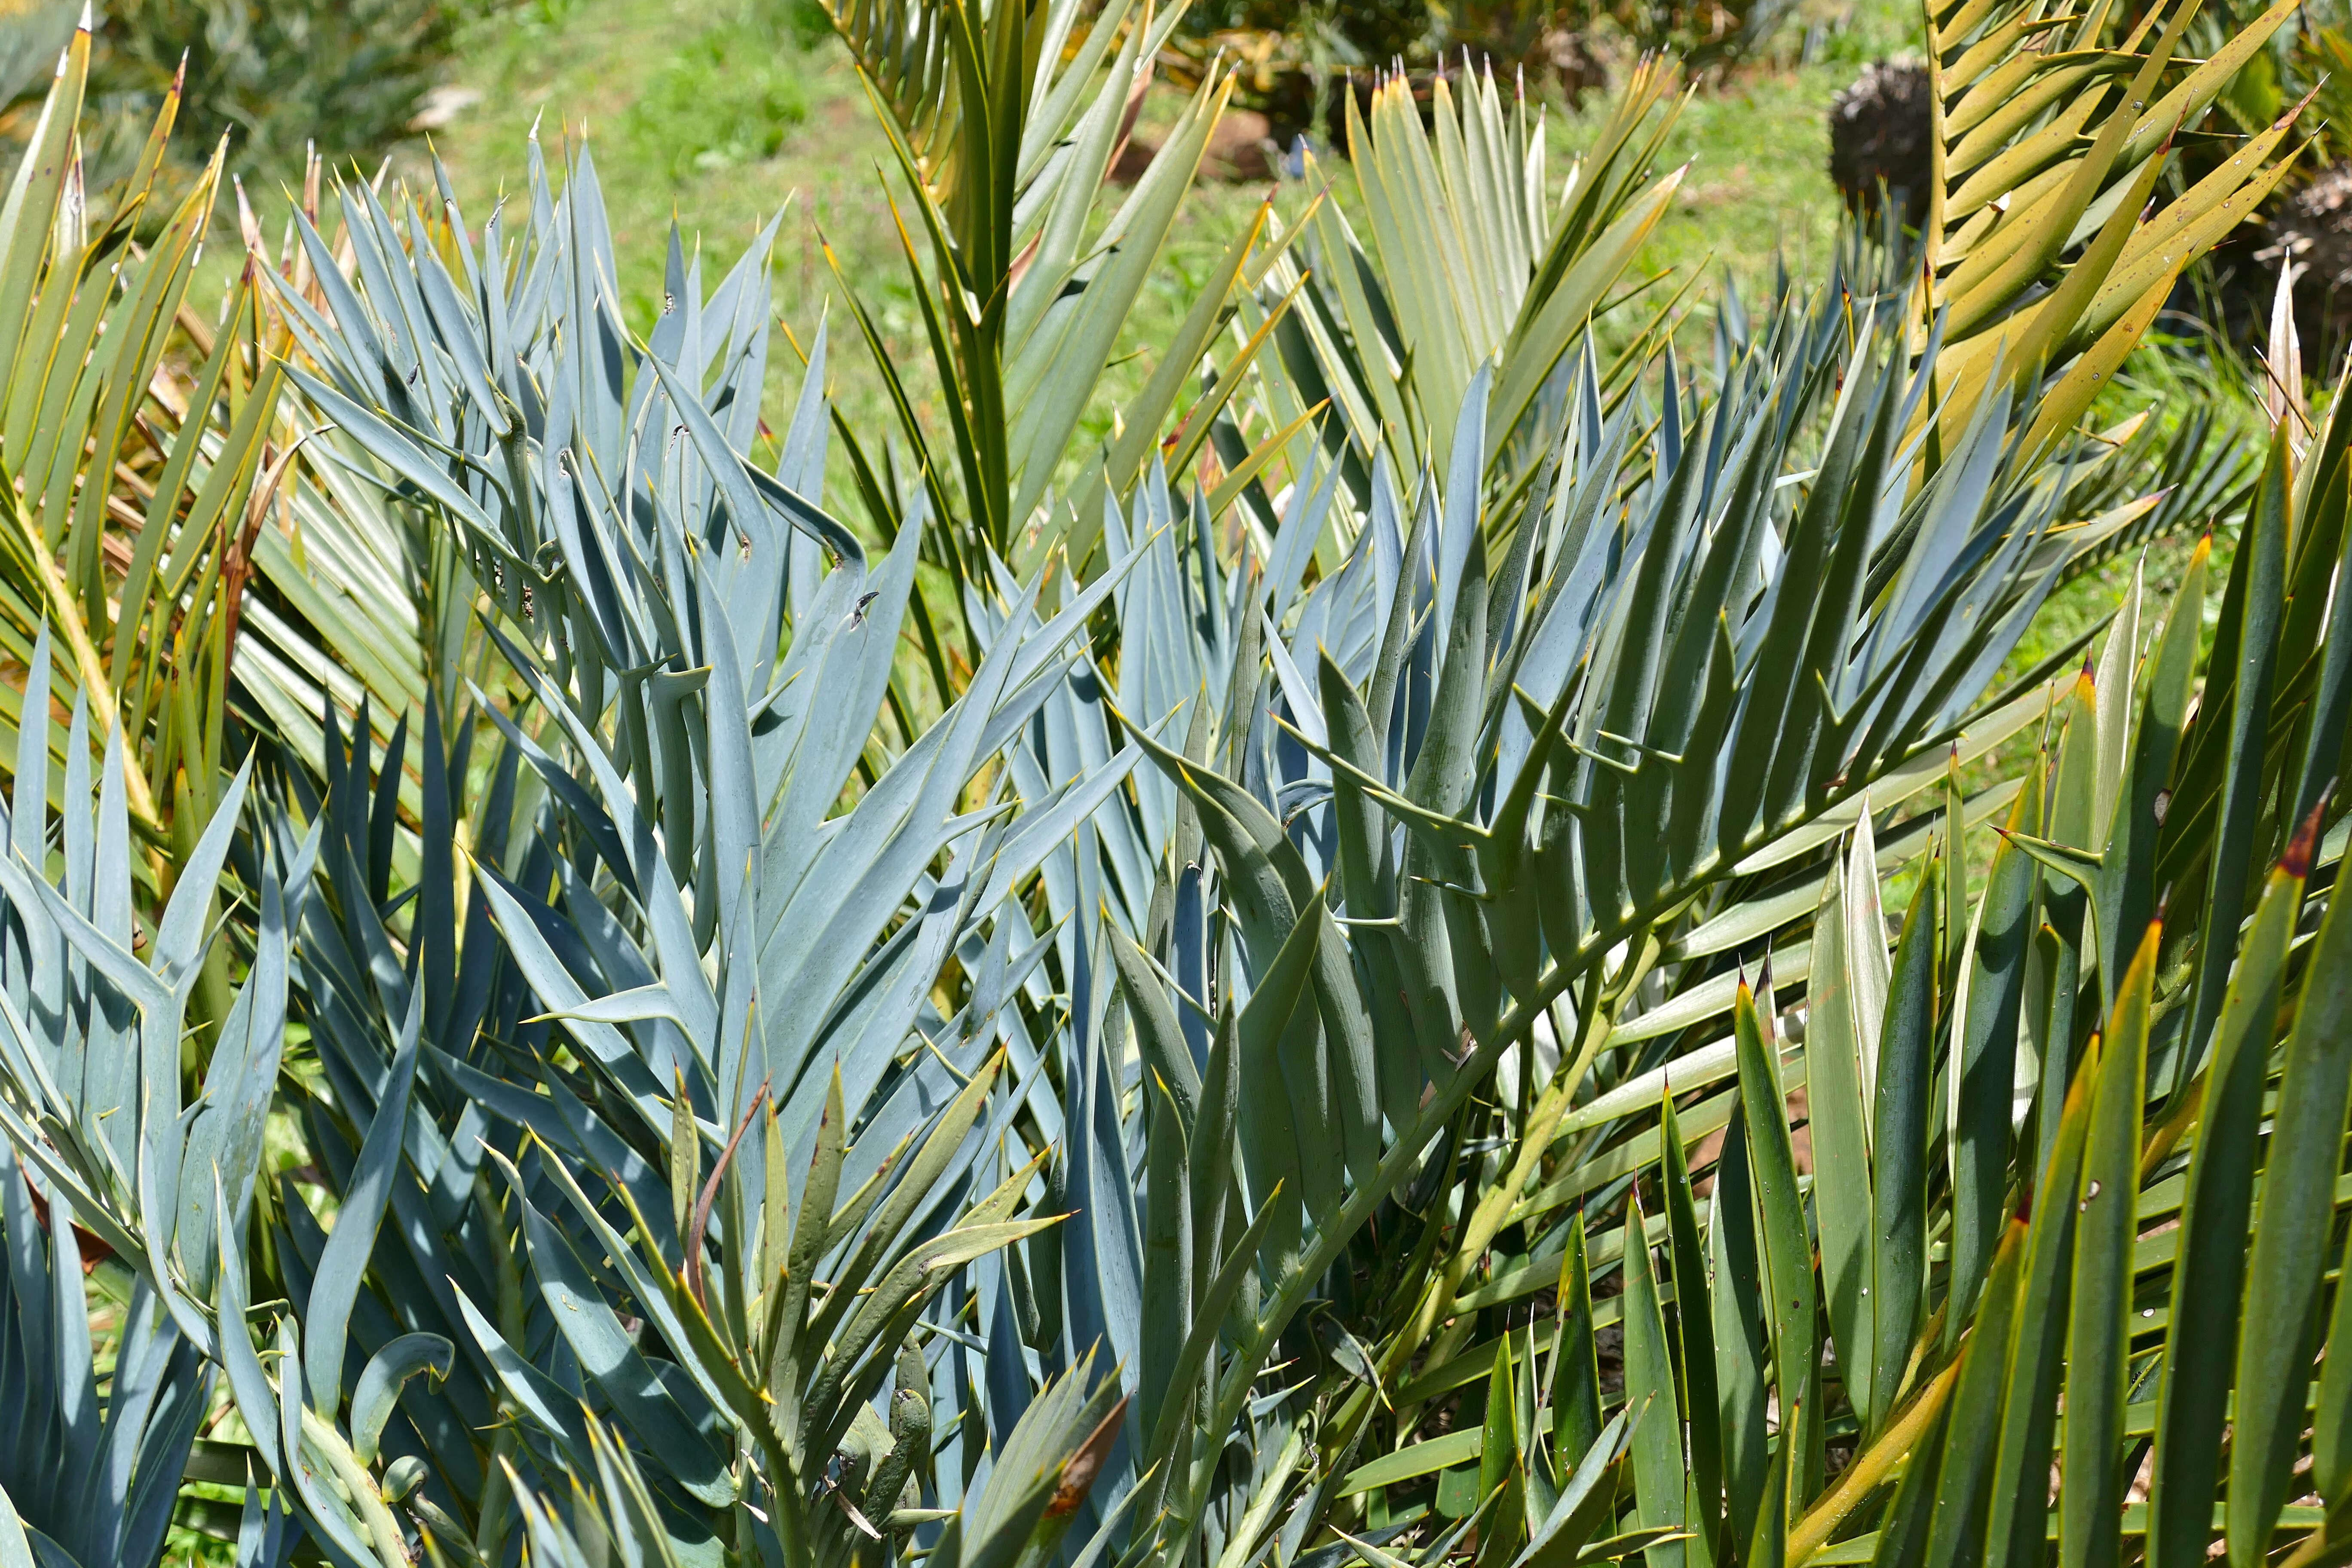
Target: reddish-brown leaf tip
<point>1078,1474</point>
<point>2297,861</point>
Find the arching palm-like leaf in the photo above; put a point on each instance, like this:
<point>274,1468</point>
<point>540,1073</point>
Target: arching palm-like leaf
<point>147,481</point>
<point>2051,135</point>
<point>1006,120</point>
<point>1466,255</point>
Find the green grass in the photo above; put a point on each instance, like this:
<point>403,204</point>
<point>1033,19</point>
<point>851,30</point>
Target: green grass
<point>726,100</point>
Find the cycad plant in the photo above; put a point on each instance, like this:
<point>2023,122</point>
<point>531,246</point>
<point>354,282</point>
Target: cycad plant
<point>1922,1275</point>
<point>1442,985</point>
<point>1005,122</point>
<point>672,814</point>
<point>1468,257</point>
<point>1191,1103</point>
<point>100,1130</point>
<point>2052,135</point>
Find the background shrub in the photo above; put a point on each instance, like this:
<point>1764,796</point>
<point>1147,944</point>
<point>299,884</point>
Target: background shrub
<point>279,76</point>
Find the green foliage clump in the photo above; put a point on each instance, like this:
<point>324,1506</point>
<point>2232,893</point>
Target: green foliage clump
<point>282,76</point>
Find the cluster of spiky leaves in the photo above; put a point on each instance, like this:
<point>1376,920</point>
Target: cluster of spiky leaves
<point>148,463</point>
<point>1137,1116</point>
<point>1567,906</point>
<point>82,360</point>
<point>723,995</point>
<point>1952,1277</point>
